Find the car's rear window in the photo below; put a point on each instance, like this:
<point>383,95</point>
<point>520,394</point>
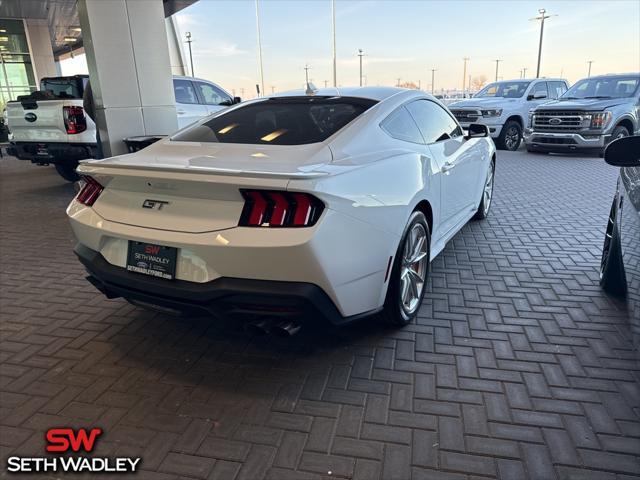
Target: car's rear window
<point>64,87</point>
<point>279,121</point>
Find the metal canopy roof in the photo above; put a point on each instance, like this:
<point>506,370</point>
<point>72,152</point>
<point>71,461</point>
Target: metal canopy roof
<point>62,16</point>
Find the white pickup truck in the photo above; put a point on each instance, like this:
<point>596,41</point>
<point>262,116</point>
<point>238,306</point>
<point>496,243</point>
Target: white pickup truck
<point>504,107</point>
<point>50,126</point>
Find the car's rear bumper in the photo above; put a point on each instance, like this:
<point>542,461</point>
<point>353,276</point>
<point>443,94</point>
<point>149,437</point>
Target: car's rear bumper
<point>60,153</point>
<point>565,142</point>
<point>223,296</point>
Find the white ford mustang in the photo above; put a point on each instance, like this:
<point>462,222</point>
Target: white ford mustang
<point>332,203</point>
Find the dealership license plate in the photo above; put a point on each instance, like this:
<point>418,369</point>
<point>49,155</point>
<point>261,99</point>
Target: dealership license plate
<point>154,260</point>
<point>42,150</point>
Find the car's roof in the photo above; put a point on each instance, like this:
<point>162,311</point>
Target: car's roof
<point>546,79</point>
<point>372,93</point>
<point>616,75</point>
<point>183,77</point>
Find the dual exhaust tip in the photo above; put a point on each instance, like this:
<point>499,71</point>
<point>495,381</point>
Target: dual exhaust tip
<point>279,328</point>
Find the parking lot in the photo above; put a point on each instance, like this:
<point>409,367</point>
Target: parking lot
<point>519,365</point>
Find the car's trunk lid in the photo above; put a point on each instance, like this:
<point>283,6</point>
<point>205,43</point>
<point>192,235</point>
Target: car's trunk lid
<point>200,183</point>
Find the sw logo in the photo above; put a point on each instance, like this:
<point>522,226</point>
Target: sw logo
<point>66,441</point>
<point>63,439</point>
<point>152,249</point>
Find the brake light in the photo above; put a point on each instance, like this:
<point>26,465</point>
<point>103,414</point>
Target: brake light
<point>74,119</point>
<point>90,192</point>
<point>263,208</point>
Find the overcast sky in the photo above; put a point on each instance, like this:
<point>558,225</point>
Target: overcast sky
<point>405,39</point>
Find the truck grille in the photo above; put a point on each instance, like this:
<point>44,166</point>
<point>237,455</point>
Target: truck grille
<point>466,116</point>
<point>559,121</point>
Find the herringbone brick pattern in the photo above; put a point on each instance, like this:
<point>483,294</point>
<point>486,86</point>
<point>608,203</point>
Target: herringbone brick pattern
<point>519,366</point>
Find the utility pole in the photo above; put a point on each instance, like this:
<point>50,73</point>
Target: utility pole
<point>542,18</point>
<point>306,75</point>
<point>497,62</point>
<point>433,75</point>
<point>469,84</point>
<point>589,62</point>
<point>524,72</point>
<point>398,84</point>
<point>464,72</point>
<point>273,89</point>
<point>325,83</point>
<point>360,55</point>
<point>333,29</point>
<point>259,48</point>
<point>188,35</point>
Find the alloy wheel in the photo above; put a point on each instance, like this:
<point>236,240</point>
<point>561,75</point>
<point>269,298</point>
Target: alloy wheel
<point>488,189</point>
<point>512,138</point>
<point>413,269</point>
<point>607,245</point>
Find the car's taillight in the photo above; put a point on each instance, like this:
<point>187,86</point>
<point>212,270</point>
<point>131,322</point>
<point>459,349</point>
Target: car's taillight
<point>74,119</point>
<point>90,192</point>
<point>270,208</point>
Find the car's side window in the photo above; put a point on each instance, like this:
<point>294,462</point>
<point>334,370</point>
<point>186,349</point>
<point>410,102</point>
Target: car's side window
<point>540,90</point>
<point>184,91</point>
<point>435,123</point>
<point>212,95</point>
<point>556,89</point>
<point>401,125</point>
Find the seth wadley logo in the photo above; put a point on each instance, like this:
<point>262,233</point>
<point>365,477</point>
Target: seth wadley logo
<point>66,440</point>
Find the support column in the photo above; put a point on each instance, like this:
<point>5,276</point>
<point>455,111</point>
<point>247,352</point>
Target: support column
<point>39,40</point>
<point>128,60</point>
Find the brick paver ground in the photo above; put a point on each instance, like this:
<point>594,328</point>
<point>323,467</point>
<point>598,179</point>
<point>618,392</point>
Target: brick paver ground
<point>519,366</point>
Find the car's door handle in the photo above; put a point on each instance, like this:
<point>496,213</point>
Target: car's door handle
<point>181,112</point>
<point>448,165</point>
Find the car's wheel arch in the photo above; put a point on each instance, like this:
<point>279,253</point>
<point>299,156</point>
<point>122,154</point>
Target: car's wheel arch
<point>424,206</point>
<point>627,123</point>
<point>515,118</point>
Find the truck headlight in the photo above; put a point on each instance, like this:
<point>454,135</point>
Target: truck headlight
<point>600,119</point>
<point>494,112</point>
<point>531,114</point>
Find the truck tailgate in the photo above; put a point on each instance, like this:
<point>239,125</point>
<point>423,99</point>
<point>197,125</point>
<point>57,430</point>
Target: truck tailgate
<point>42,124</point>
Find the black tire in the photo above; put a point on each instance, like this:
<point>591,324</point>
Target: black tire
<point>486,200</point>
<point>394,311</point>
<point>68,172</point>
<point>619,132</point>
<point>510,136</point>
<point>612,277</point>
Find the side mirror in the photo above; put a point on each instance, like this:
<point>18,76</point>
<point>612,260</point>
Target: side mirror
<point>538,96</point>
<point>477,130</point>
<point>236,100</point>
<point>624,152</point>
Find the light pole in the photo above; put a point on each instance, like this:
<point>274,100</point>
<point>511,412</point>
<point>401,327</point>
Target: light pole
<point>524,72</point>
<point>188,35</point>
<point>360,55</point>
<point>589,62</point>
<point>542,18</point>
<point>306,75</point>
<point>464,72</point>
<point>333,34</point>
<point>261,71</point>
<point>433,75</point>
<point>497,63</point>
